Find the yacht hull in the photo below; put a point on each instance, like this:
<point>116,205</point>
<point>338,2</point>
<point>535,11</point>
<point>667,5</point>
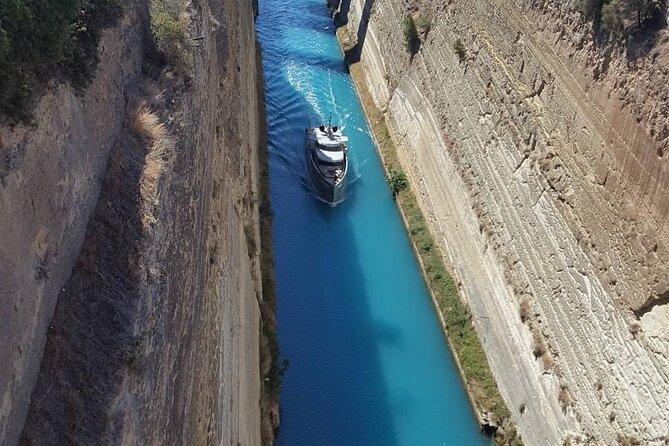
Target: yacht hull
<point>325,190</point>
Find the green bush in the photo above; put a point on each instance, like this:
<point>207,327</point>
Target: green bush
<point>612,19</point>
<point>45,38</point>
<point>411,39</point>
<point>460,50</point>
<point>169,26</point>
<point>48,37</point>
<point>96,16</point>
<point>397,180</point>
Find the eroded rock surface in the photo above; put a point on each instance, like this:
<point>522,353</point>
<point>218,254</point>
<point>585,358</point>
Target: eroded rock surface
<point>540,160</point>
<point>150,333</point>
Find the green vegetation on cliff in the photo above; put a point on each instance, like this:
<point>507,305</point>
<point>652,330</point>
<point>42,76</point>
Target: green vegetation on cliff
<point>169,26</point>
<point>41,39</point>
<point>619,17</point>
<point>411,39</point>
<point>397,180</point>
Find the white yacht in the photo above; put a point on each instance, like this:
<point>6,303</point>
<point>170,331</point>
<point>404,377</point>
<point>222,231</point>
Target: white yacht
<point>327,162</point>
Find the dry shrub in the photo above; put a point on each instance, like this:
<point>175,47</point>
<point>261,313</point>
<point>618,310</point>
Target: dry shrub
<point>564,397</point>
<point>524,308</point>
<point>548,361</point>
<point>539,348</point>
<point>159,151</point>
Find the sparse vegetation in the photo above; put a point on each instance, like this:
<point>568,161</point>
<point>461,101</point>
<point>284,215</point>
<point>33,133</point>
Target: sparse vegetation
<point>462,335</point>
<point>589,8</point>
<point>411,39</point>
<point>634,328</point>
<point>612,20</point>
<point>424,24</point>
<point>397,180</point>
<point>617,17</point>
<point>564,397</point>
<point>539,346</point>
<point>169,26</point>
<point>39,40</point>
<point>271,368</point>
<point>460,50</point>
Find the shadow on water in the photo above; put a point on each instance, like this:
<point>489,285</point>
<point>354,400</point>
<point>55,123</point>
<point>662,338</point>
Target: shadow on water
<point>333,392</point>
<point>368,363</point>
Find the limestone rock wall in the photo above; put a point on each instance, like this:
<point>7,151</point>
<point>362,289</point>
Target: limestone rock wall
<point>540,160</point>
<point>50,178</point>
<point>149,333</point>
<point>203,383</point>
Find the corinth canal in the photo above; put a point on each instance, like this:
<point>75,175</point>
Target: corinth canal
<point>368,362</point>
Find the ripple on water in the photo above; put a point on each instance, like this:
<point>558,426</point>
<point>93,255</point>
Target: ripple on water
<point>368,363</point>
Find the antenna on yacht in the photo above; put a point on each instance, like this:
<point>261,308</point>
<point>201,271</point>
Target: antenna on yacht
<point>330,120</point>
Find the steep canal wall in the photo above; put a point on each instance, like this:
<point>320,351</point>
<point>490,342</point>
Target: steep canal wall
<point>539,159</point>
<point>130,271</point>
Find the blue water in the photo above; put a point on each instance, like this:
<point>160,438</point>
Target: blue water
<point>368,362</point>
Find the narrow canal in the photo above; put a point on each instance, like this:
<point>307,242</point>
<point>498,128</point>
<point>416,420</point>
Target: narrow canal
<point>368,362</point>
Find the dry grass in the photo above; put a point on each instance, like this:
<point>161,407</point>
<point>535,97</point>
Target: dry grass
<point>159,152</point>
<point>564,397</point>
<point>549,363</point>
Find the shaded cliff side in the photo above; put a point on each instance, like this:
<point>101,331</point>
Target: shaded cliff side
<point>539,158</point>
<point>146,317</point>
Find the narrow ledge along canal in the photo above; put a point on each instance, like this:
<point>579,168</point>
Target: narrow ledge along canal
<point>368,362</point>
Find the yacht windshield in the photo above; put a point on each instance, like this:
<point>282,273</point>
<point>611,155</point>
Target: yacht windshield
<point>334,147</point>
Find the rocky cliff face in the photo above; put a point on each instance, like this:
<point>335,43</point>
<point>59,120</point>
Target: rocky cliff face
<point>150,333</point>
<point>50,178</point>
<point>540,158</point>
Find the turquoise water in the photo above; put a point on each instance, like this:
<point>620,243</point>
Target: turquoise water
<point>368,362</point>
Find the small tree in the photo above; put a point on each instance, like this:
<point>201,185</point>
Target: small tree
<point>460,50</point>
<point>169,26</point>
<point>612,19</point>
<point>411,39</point>
<point>642,9</point>
<point>397,180</point>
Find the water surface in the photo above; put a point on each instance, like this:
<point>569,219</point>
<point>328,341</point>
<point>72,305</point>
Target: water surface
<point>368,362</point>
